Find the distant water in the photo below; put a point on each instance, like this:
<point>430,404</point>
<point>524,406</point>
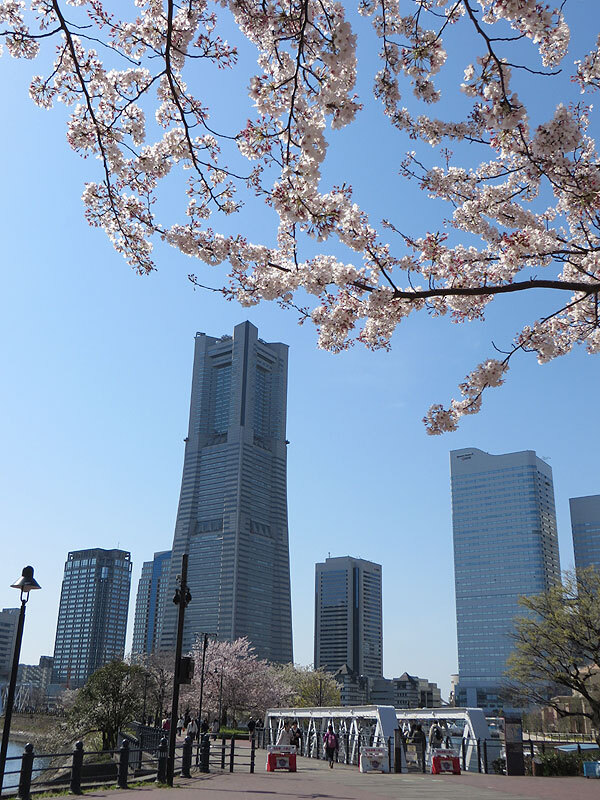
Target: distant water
<point>16,749</point>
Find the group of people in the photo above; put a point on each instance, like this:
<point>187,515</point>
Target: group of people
<point>436,738</point>
<point>191,726</point>
<point>292,735</point>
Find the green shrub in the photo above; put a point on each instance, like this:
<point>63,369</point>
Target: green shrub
<point>556,763</point>
<point>499,766</point>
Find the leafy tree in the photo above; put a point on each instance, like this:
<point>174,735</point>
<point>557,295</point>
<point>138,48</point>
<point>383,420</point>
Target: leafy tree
<point>510,154</point>
<point>109,700</point>
<point>158,680</point>
<point>557,647</point>
<point>312,687</point>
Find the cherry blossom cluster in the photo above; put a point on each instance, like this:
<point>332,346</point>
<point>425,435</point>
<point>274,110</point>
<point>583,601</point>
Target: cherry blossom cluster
<point>524,208</point>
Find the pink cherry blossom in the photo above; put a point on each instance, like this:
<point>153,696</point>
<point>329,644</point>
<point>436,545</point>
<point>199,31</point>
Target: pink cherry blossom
<point>528,197</point>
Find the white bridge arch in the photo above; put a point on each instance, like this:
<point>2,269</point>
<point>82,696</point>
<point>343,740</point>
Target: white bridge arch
<point>375,725</point>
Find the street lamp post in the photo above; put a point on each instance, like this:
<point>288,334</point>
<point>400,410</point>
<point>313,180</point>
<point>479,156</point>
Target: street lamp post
<point>145,692</point>
<point>181,599</point>
<point>25,584</point>
<point>220,697</point>
<point>204,646</point>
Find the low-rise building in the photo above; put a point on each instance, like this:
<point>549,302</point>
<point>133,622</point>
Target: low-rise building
<point>37,675</point>
<point>407,691</point>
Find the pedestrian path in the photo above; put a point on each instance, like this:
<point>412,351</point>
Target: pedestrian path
<point>315,781</point>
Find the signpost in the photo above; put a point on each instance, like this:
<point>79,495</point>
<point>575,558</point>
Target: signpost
<point>513,741</point>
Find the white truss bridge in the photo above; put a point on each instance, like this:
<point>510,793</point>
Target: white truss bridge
<point>368,726</point>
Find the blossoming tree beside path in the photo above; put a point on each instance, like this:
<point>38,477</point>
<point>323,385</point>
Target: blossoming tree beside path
<point>528,196</point>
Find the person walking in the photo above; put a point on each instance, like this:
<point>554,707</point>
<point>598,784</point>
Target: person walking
<point>436,737</point>
<point>420,740</point>
<point>296,738</point>
<point>192,729</point>
<point>330,745</point>
<point>180,725</point>
<point>285,737</point>
<point>251,728</point>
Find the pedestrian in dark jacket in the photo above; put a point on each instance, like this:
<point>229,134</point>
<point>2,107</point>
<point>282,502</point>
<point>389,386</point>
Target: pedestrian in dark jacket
<point>330,745</point>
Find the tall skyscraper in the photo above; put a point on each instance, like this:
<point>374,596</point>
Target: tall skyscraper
<point>150,603</point>
<point>348,619</point>
<point>232,516</point>
<point>9,619</point>
<point>585,526</point>
<point>505,546</point>
<point>92,615</point>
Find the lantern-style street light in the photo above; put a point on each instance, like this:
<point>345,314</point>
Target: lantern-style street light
<point>26,583</point>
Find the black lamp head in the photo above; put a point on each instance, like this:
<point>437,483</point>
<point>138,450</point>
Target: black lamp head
<point>26,583</point>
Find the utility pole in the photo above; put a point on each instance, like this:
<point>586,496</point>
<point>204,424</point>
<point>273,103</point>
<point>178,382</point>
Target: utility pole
<point>181,599</point>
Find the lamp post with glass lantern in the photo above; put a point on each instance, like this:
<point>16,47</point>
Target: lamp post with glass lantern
<point>26,583</point>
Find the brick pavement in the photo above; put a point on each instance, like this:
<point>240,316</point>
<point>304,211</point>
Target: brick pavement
<point>314,781</point>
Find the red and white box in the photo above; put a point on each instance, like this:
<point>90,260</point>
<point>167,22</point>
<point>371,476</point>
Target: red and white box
<point>445,761</point>
<point>281,757</point>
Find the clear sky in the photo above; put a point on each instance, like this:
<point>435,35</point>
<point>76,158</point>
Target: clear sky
<point>96,366</point>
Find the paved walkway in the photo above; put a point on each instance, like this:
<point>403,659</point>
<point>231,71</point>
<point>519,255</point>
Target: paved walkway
<point>314,781</point>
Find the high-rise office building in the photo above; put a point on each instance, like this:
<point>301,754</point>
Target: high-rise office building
<point>9,619</point>
<point>232,516</point>
<point>585,526</point>
<point>348,618</point>
<point>92,615</point>
<point>505,546</point>
<point>150,603</point>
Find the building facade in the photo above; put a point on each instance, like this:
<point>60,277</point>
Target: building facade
<point>150,603</point>
<point>407,691</point>
<point>585,527</point>
<point>9,619</point>
<point>505,546</point>
<point>232,516</point>
<point>38,675</point>
<point>348,616</point>
<point>92,615</point>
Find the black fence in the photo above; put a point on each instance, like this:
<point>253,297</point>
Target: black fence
<point>39,772</point>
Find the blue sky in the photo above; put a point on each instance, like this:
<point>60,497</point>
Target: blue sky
<point>97,367</point>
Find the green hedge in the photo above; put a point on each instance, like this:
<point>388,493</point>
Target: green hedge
<point>556,763</point>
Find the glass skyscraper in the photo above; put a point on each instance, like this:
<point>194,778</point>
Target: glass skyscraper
<point>348,618</point>
<point>232,516</point>
<point>9,619</point>
<point>92,615</point>
<point>150,603</point>
<point>505,546</point>
<point>585,526</point>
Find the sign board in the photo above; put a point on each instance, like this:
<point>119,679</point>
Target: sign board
<point>513,741</point>
<point>414,756</point>
<point>374,759</point>
<point>281,757</point>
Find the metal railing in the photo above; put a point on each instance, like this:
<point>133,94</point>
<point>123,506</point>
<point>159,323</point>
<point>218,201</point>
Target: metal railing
<point>83,767</point>
<point>475,755</point>
<point>147,760</point>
